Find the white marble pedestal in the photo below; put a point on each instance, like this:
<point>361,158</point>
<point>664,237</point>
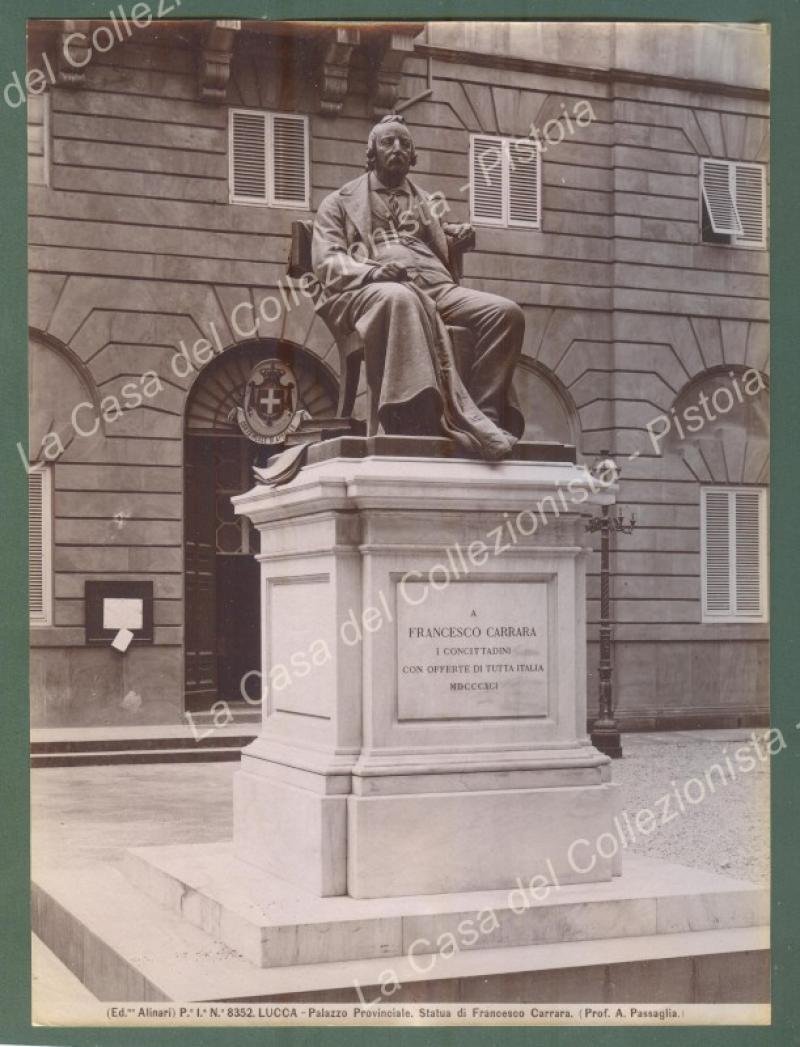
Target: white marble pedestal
<point>424,710</point>
<point>477,808</point>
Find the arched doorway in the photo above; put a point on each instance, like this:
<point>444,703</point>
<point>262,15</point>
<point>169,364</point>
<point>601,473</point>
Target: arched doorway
<point>221,639</point>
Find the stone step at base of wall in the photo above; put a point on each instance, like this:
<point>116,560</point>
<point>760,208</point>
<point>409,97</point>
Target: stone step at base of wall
<point>201,739</point>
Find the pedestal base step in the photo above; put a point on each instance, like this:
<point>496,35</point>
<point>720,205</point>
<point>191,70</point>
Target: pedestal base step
<point>275,924</point>
<point>124,945</point>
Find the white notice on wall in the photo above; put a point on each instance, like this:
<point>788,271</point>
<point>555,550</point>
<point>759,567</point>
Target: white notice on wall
<point>122,641</point>
<point>119,613</point>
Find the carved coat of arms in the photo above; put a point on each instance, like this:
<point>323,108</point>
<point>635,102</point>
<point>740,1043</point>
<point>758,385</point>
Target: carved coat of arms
<point>269,410</point>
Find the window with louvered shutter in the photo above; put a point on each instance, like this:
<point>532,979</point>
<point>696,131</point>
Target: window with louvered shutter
<point>748,539</point>
<point>39,545</point>
<point>716,180</point>
<point>248,156</point>
<point>751,197</point>
<point>524,183</point>
<point>39,139</point>
<point>505,181</point>
<point>290,161</point>
<point>734,536</point>
<point>486,182</point>
<point>734,198</point>
<point>716,535</point>
<point>268,158</point>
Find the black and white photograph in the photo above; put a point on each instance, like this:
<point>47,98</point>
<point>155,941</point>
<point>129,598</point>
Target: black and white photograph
<point>398,477</point>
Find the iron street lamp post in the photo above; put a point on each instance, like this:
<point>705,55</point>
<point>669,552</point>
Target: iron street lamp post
<point>605,731</point>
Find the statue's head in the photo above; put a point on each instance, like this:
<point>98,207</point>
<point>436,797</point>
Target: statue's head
<point>390,149</point>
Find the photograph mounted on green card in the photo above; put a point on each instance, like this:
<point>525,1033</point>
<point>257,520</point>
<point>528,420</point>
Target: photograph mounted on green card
<point>397,470</point>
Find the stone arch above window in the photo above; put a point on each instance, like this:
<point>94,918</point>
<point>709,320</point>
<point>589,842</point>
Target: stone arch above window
<point>59,389</point>
<point>549,411</point>
<point>719,426</point>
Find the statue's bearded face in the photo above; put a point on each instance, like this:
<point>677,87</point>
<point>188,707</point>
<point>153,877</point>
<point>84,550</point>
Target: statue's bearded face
<point>394,149</point>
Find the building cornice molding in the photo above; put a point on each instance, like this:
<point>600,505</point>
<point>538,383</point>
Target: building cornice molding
<point>603,76</point>
<point>390,45</point>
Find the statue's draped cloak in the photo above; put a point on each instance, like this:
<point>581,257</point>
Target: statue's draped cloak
<point>418,355</point>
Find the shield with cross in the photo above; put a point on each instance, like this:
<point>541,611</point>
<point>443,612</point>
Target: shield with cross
<point>269,402</point>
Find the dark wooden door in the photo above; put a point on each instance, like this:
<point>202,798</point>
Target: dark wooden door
<point>222,604</point>
<point>238,628</point>
<point>200,574</point>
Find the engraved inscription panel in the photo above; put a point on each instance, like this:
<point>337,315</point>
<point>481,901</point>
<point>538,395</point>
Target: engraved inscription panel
<point>474,649</point>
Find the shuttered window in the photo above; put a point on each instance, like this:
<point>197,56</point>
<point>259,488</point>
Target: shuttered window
<point>523,184</point>
<point>751,195</point>
<point>40,544</point>
<point>734,554</point>
<point>268,158</point>
<point>734,202</point>
<point>39,139</point>
<point>248,154</point>
<point>505,181</point>
<point>486,185</point>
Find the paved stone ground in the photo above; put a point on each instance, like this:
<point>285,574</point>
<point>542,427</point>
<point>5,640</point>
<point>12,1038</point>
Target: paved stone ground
<point>89,814</point>
<point>82,814</point>
<point>728,829</point>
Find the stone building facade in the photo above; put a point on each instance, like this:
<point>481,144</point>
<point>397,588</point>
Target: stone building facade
<point>623,205</point>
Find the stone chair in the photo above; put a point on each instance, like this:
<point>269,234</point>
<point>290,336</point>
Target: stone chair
<point>351,346</point>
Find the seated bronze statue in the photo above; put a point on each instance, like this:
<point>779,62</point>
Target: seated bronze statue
<point>384,262</point>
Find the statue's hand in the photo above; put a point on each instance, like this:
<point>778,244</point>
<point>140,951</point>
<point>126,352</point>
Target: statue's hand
<point>390,272</point>
<point>460,231</point>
